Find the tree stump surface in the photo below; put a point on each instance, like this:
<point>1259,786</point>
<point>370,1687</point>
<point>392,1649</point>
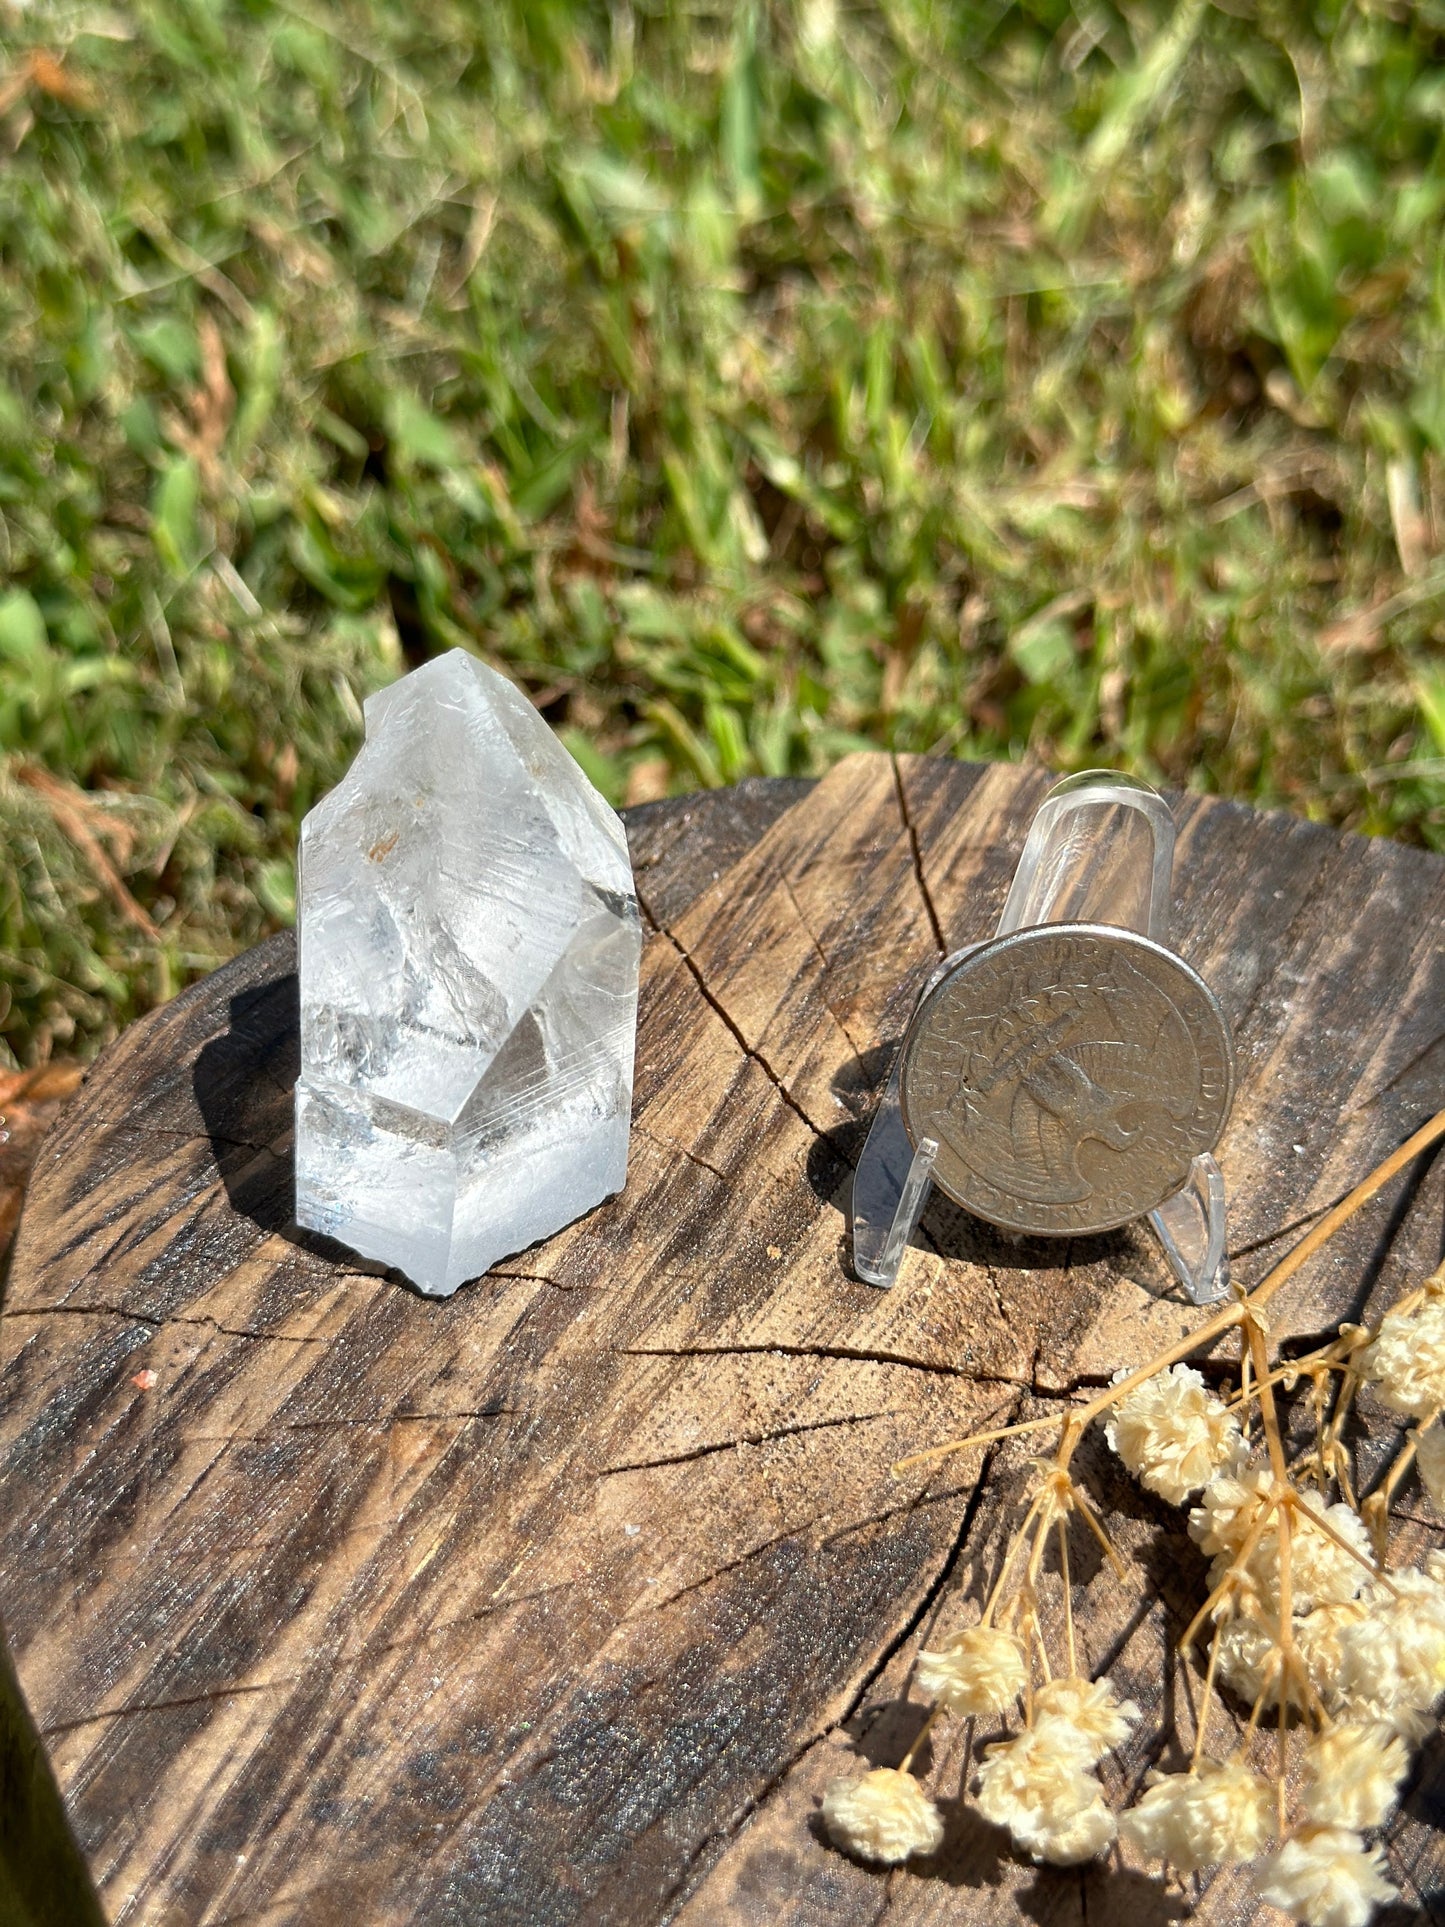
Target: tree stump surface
<point>562,1599</point>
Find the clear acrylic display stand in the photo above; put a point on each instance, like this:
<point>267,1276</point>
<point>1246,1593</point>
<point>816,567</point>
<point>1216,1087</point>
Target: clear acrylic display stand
<point>1099,851</point>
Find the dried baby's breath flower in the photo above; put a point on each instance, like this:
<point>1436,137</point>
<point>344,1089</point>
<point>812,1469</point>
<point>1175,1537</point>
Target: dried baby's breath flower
<point>980,1670</point>
<point>1226,1512</point>
<point>1354,1775</point>
<point>1406,1361</point>
<point>1392,1659</point>
<point>1215,1816</point>
<point>1317,1635</point>
<point>884,1816</point>
<point>1092,1708</point>
<point>1322,1570</point>
<point>1326,1876</point>
<point>1081,1836</point>
<point>1174,1434</point>
<point>1248,1662</point>
<point>1039,1786</point>
<point>1249,1646</point>
<point>1430,1457</point>
<point>1251,1665</point>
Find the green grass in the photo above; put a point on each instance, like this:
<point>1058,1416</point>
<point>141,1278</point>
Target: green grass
<point>751,382</point>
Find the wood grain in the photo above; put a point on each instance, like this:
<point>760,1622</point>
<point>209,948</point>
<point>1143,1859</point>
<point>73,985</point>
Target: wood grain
<point>560,1600</point>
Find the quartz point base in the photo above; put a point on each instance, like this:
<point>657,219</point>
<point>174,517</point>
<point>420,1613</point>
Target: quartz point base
<point>469,939</point>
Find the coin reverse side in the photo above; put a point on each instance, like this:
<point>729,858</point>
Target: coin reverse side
<point>1070,1074</point>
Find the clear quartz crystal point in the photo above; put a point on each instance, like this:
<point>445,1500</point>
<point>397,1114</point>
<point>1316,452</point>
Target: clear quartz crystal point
<point>469,941</point>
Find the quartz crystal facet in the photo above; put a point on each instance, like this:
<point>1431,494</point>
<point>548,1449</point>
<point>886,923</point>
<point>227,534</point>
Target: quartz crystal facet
<point>469,942</point>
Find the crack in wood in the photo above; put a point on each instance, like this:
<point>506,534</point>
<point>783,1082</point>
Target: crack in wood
<point>919,1502</point>
<point>911,832</point>
<point>675,1144</point>
<point>127,1121</point>
<point>857,1355</point>
<point>382,1423</point>
<point>721,1572</point>
<point>539,1278</point>
<point>165,1706</point>
<point>491,1610</point>
<point>725,1018</point>
<point>1081,1382</point>
<point>745,1438</point>
<point>1285,1230</point>
<point>159,1324</point>
<point>929,1599</point>
<point>1404,1071</point>
<point>807,929</point>
<point>1314,892</point>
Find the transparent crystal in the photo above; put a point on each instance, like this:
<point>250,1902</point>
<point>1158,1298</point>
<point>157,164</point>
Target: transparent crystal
<point>469,942</point>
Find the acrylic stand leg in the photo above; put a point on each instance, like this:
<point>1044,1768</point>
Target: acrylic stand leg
<point>1191,1229</point>
<point>1100,850</point>
<point>890,1189</point>
<point>892,1182</point>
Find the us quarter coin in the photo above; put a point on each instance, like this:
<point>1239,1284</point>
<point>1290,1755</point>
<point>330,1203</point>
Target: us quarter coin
<point>1069,1073</point>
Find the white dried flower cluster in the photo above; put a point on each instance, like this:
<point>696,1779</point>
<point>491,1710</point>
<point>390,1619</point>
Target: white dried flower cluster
<point>1375,1660</point>
<point>1249,1647</point>
<point>979,1671</point>
<point>1361,1660</point>
<point>1092,1708</point>
<point>1218,1815</point>
<point>1174,1435</point>
<point>1405,1361</point>
<point>1317,1635</point>
<point>1322,1571</point>
<point>1325,1876</point>
<point>1392,1657</point>
<point>1354,1775</point>
<point>1248,1660</point>
<point>884,1816</point>
<point>1040,1786</point>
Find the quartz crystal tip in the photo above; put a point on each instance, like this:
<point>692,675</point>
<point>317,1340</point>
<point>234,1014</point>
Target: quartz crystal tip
<point>469,938</point>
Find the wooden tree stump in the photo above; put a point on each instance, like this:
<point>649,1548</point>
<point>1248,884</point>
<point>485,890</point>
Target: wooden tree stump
<point>561,1600</point>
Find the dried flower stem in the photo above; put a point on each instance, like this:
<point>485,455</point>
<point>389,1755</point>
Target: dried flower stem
<point>1235,1575</point>
<point>919,1737</point>
<point>1068,1596</point>
<point>1225,1319</point>
<point>1206,1699</point>
<point>1287,1648</point>
<point>1010,1552</point>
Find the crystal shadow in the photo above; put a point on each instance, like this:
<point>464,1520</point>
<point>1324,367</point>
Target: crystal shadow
<point>244,1083</point>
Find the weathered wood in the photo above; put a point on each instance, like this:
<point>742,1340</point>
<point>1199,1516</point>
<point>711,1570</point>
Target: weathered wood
<point>561,1599</point>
